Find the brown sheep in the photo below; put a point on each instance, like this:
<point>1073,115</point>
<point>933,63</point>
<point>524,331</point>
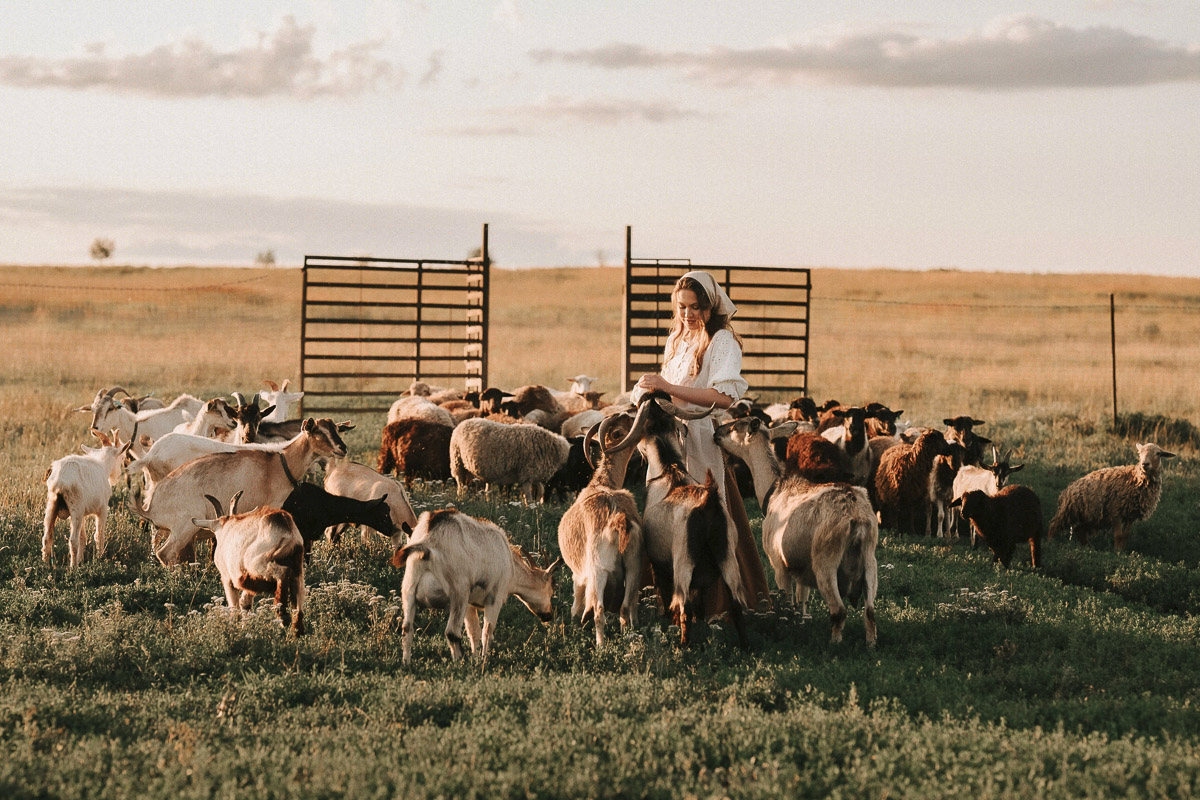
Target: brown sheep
<point>902,482</point>
<point>416,448</point>
<point>816,459</point>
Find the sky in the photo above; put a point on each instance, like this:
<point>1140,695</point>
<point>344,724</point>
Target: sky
<point>1036,137</point>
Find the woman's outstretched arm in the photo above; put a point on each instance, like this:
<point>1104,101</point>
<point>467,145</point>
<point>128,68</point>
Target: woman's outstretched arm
<point>701,396</point>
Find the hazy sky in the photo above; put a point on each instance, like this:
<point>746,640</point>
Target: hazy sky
<point>1043,136</point>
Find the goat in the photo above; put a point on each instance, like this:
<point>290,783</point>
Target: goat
<point>176,449</point>
<point>687,535</point>
<point>462,564</point>
<point>107,413</point>
<point>821,535</point>
<point>851,436</point>
<point>1012,515</point>
<point>260,551</point>
<point>987,479</point>
<point>501,455</point>
<point>266,476</point>
<point>416,448</point>
<point>280,399</point>
<point>1114,497</point>
<point>212,418</point>
<point>941,491</point>
<point>600,535</point>
<point>79,487</point>
<point>314,509</point>
<point>250,420</point>
<point>961,429</point>
<point>363,483</point>
<point>902,483</point>
<point>575,473</point>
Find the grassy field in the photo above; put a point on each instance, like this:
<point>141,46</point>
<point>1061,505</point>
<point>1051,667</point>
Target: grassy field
<point>1079,679</point>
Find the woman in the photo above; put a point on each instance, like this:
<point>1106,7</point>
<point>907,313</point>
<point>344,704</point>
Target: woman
<point>702,366</point>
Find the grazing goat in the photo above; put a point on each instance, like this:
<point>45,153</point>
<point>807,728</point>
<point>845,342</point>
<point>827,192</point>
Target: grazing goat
<point>107,413</point>
<point>315,509</point>
<point>280,399</point>
<point>416,448</point>
<point>600,535</point>
<point>464,564</point>
<point>687,534</point>
<point>1012,515</point>
<point>574,474</point>
<point>902,483</point>
<point>502,455</point>
<point>961,429</point>
<point>359,481</point>
<point>815,535</point>
<point>260,551</point>
<point>1114,497</point>
<point>266,476</point>
<point>78,487</point>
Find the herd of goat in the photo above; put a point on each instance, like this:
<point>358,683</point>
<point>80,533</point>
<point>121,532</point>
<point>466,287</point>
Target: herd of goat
<point>825,478</point>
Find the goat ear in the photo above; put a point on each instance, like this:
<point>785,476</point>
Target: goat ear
<point>983,440</point>
<point>382,500</point>
<point>206,524</point>
<point>346,425</point>
<point>839,412</point>
<point>956,502</point>
<point>266,411</point>
<point>947,422</point>
<point>1016,468</point>
<point>978,422</point>
<point>83,408</point>
<point>307,425</point>
<point>896,414</point>
<point>783,429</point>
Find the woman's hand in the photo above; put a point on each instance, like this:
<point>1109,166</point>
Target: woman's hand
<point>653,382</point>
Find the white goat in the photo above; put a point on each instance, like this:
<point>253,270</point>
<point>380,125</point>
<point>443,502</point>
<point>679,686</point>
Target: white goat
<point>176,449</point>
<point>78,487</point>
<point>213,417</point>
<point>279,397</point>
<point>464,564</point>
<point>348,479</point>
<point>821,535</point>
<point>107,413</point>
<point>261,551</point>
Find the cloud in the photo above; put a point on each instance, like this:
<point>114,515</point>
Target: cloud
<point>1012,53</point>
<point>433,70</point>
<point>48,225</point>
<point>283,63</point>
<point>604,111</point>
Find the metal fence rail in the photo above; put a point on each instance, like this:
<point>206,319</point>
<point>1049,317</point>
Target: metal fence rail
<point>371,326</point>
<point>772,319</point>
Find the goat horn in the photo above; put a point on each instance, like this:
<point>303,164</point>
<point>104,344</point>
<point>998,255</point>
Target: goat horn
<point>116,389</point>
<point>234,501</point>
<point>285,384</point>
<point>671,408</point>
<point>215,504</point>
<point>274,387</point>
<point>635,433</point>
<point>239,398</point>
<point>557,563</point>
<point>995,456</point>
<point>588,438</point>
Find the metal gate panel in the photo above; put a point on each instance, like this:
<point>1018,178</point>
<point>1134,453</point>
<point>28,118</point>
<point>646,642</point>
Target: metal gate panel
<point>371,326</point>
<point>772,320</point>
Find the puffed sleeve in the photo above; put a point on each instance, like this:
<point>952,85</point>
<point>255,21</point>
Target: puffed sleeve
<point>725,365</point>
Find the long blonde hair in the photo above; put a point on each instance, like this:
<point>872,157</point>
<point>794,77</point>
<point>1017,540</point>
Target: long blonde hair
<point>679,335</point>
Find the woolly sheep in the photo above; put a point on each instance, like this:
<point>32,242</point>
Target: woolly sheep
<point>1114,497</point>
<point>499,454</point>
<point>902,483</point>
<point>417,407</point>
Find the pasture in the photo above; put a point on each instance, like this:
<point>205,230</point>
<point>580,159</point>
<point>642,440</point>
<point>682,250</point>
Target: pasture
<point>1078,679</point>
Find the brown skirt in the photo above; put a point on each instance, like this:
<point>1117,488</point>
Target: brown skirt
<point>754,578</point>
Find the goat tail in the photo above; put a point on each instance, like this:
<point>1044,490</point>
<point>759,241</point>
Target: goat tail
<point>414,551</point>
<point>619,525</point>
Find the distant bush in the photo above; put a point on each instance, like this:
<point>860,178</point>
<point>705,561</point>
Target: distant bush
<point>1157,428</point>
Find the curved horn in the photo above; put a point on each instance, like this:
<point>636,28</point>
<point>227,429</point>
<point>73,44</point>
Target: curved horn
<point>111,392</point>
<point>274,387</point>
<point>635,433</point>
<point>995,456</point>
<point>215,504</point>
<point>239,398</point>
<point>670,408</point>
<point>234,501</point>
<point>286,381</point>
<point>589,437</point>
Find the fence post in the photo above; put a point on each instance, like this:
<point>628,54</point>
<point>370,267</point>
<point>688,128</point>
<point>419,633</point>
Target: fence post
<point>625,344</point>
<point>1112,325</point>
<point>486,255</point>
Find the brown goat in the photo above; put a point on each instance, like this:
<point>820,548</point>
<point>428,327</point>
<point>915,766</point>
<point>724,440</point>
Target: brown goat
<point>1012,515</point>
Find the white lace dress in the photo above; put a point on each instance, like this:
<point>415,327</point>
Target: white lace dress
<point>720,369</point>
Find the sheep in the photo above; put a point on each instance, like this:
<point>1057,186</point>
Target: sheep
<point>961,429</point>
<point>580,396</point>
<point>464,564</point>
<point>314,510</point>
<point>902,483</point>
<point>501,454</point>
<point>816,459</point>
<point>417,407</point>
<point>490,400</point>
<point>280,399</point>
<point>350,479</point>
<point>575,473</point>
<point>214,417</point>
<point>941,491</point>
<point>881,420</point>
<point>1012,515</point>
<point>78,487</point>
<point>545,419</point>
<point>987,479</point>
<point>821,535</point>
<point>600,535</point>
<point>259,551</point>
<point>434,394</point>
<point>687,535</point>
<point>851,437</point>
<point>1114,497</point>
<point>578,424</point>
<point>108,413</point>
<point>460,410</point>
<point>266,476</point>
<point>535,396</point>
<point>416,448</point>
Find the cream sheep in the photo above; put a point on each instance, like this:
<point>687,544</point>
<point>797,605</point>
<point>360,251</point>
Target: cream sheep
<point>502,455</point>
<point>417,407</point>
<point>1114,497</point>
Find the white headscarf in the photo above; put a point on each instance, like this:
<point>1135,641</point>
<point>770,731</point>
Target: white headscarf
<point>721,304</point>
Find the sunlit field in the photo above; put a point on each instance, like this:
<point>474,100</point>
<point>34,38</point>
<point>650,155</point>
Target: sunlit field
<point>1080,678</point>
